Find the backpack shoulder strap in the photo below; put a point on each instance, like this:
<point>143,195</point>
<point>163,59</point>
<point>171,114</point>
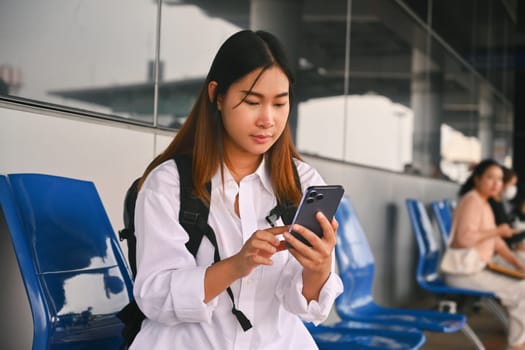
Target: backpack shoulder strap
<point>128,232</point>
<point>193,213</point>
<point>193,216</point>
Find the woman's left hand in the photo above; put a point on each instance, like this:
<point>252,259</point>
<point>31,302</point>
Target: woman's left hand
<point>317,259</point>
<point>520,267</point>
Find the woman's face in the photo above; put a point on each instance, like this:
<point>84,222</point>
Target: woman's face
<point>489,184</point>
<point>254,119</point>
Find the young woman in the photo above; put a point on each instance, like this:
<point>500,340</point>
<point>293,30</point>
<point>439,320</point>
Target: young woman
<point>500,202</point>
<point>238,136</point>
<point>502,207</point>
<point>474,227</point>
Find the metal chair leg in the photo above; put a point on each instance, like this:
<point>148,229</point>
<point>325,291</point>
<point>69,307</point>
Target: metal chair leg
<point>472,337</point>
<point>493,306</point>
<point>450,307</point>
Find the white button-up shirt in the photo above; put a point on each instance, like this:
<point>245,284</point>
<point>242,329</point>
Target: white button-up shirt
<point>169,287</point>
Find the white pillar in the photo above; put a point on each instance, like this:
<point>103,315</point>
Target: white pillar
<point>486,117</point>
<point>426,102</point>
<point>283,19</point>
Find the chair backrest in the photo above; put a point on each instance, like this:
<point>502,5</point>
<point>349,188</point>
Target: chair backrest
<point>429,252</point>
<point>442,210</point>
<point>71,263</point>
<point>355,260</point>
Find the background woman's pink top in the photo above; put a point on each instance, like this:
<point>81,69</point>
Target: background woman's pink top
<point>472,218</point>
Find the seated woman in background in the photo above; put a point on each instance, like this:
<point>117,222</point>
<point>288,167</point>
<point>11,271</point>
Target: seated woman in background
<point>519,209</point>
<point>502,208</point>
<point>475,234</point>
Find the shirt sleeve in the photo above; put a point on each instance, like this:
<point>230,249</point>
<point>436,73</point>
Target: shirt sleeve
<point>289,291</point>
<point>169,287</point>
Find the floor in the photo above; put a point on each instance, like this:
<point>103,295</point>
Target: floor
<point>489,329</point>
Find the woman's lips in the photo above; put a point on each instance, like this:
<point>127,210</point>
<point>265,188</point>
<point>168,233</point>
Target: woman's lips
<point>261,138</point>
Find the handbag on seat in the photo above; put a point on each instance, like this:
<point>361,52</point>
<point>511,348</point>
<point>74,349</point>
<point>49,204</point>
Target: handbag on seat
<point>462,261</point>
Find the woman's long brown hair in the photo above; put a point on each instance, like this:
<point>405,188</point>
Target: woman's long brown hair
<point>201,133</point>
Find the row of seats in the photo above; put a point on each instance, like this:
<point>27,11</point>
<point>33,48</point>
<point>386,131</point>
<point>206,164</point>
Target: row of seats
<point>77,279</point>
<point>394,328</point>
<point>430,254</point>
<point>356,305</point>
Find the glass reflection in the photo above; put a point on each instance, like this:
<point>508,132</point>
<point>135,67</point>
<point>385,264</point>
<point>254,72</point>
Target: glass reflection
<point>100,292</point>
<point>73,53</point>
<point>87,300</point>
<point>190,38</point>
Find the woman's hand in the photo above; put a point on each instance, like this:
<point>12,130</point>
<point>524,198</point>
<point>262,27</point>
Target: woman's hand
<point>504,230</point>
<point>258,250</point>
<point>521,268</point>
<point>317,259</point>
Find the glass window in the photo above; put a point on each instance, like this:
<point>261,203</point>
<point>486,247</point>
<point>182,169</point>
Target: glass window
<point>320,86</point>
<point>362,112</point>
<point>477,95</point>
<point>189,41</point>
<point>383,83</point>
<point>379,112</point>
<point>459,119</point>
<point>480,31</point>
<point>92,55</point>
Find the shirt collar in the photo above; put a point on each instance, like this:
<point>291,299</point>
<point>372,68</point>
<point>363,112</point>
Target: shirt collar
<point>261,172</point>
<point>264,175</point>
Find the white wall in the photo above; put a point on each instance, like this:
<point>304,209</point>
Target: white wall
<point>109,154</point>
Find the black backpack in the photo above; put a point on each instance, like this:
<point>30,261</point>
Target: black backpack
<point>193,216</point>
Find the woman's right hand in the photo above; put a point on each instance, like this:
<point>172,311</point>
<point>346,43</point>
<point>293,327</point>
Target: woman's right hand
<point>258,250</point>
<point>504,230</point>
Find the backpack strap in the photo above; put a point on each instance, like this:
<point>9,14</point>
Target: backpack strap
<point>128,232</point>
<point>285,210</point>
<point>193,216</point>
<point>193,213</point>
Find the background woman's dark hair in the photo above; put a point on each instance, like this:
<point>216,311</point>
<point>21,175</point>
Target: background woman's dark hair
<point>508,174</point>
<point>518,201</point>
<point>201,133</point>
<point>478,171</point>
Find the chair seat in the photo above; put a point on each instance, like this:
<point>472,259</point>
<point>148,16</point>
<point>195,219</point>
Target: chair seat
<point>439,287</point>
<point>374,338</point>
<point>427,320</point>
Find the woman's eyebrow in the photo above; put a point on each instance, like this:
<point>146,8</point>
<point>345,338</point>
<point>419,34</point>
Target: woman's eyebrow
<point>257,94</point>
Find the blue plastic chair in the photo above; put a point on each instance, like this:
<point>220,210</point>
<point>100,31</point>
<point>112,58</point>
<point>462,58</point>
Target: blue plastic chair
<point>372,338</point>
<point>442,210</point>
<point>356,267</point>
<point>70,262</point>
<point>427,273</point>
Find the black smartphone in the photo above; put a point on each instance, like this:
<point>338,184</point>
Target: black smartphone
<point>325,198</point>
